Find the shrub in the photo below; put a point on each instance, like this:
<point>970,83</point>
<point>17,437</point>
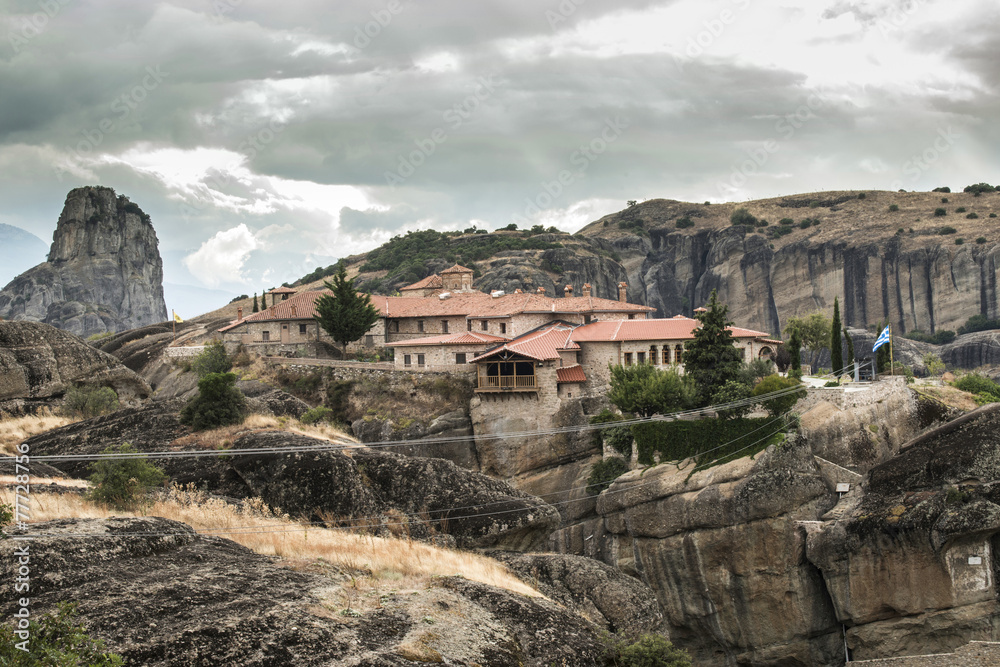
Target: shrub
<point>685,222</point>
<point>647,651</point>
<point>708,441</point>
<point>781,404</point>
<point>862,195</point>
<point>972,216</point>
<point>213,359</point>
<point>317,414</point>
<point>943,189</point>
<point>978,323</point>
<point>959,241</point>
<point>123,483</point>
<point>940,212</point>
<point>620,439</point>
<point>993,215</point>
<point>940,337</point>
<point>730,392</point>
<point>831,383</point>
<point>605,416</point>
<point>90,401</point>
<point>981,240</point>
<point>56,640</point>
<point>741,216</point>
<point>978,384</point>
<point>786,221</point>
<point>960,209</point>
<point>979,188</point>
<point>604,472</point>
<point>805,223</point>
<point>893,207</point>
<point>217,403</point>
<point>933,364</point>
<point>947,229</point>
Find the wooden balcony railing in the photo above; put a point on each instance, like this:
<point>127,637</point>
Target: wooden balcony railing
<point>509,382</point>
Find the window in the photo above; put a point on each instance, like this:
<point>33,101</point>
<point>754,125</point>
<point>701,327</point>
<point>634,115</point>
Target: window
<point>628,358</point>
<point>468,325</point>
<point>653,356</point>
<point>640,358</point>
<point>444,326</point>
<point>406,359</point>
<point>420,326</point>
<point>460,357</point>
<point>265,336</point>
<point>503,327</point>
<point>743,351</point>
<point>394,327</point>
<point>420,360</point>
<point>486,325</point>
<point>586,319</point>
<point>369,340</point>
<point>666,355</point>
<point>631,316</point>
<point>302,329</point>
<point>678,353</point>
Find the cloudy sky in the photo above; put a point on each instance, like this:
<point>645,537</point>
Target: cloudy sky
<point>266,138</point>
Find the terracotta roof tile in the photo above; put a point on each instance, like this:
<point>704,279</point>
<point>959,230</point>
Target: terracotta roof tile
<point>674,328</point>
<point>739,332</point>
<point>432,281</point>
<point>542,344</point>
<point>458,269</point>
<point>305,308</point>
<point>571,374</point>
<point>470,338</point>
<point>282,290</point>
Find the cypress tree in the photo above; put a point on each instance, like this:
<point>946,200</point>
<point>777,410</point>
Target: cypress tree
<point>795,352</point>
<point>836,352</point>
<point>347,315</point>
<point>255,308</point>
<point>850,349</point>
<point>711,358</point>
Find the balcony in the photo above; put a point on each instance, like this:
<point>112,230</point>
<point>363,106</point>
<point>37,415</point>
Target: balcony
<point>505,377</point>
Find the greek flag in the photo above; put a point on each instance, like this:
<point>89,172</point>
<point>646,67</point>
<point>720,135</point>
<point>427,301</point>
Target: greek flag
<point>882,339</point>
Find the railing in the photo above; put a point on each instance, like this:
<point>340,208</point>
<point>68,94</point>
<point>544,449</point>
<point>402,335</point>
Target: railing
<point>507,382</point>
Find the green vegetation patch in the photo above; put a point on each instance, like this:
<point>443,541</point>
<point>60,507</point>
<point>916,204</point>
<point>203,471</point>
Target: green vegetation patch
<point>709,441</point>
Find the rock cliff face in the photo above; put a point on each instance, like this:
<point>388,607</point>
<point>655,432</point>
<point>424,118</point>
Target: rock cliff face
<point>103,272</point>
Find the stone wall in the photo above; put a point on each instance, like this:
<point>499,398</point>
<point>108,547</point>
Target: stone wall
<point>437,356</point>
<point>851,396</point>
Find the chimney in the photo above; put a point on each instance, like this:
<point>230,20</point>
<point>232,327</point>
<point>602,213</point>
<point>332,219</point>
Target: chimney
<point>293,310</point>
<point>586,289</point>
<point>518,291</point>
<point>622,289</point>
<point>568,290</point>
<point>541,290</point>
<point>239,313</point>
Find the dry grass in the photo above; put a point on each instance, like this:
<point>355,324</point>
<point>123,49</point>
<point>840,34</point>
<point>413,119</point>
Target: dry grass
<point>223,437</point>
<point>15,430</point>
<point>371,562</point>
<point>950,396</point>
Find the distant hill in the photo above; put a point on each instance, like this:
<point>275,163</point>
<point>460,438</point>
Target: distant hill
<point>19,251</point>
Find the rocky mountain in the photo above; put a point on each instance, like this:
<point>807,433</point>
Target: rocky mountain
<point>103,272</point>
<point>19,251</point>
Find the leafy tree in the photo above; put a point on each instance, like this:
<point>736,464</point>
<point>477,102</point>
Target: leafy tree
<point>213,359</point>
<point>850,350</point>
<point>711,359</point>
<point>346,315</point>
<point>255,308</point>
<point>814,334</point>
<point>741,216</point>
<point>979,188</point>
<point>89,401</point>
<point>646,390</point>
<point>795,352</point>
<point>778,405</point>
<point>631,203</point>
<point>731,392</point>
<point>123,483</point>
<point>56,641</point>
<point>217,403</point>
<point>756,370</point>
<point>882,357</point>
<point>836,352</point>
<point>933,364</point>
<point>782,358</point>
<point>646,651</point>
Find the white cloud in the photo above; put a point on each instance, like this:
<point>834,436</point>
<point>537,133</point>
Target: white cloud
<point>220,259</point>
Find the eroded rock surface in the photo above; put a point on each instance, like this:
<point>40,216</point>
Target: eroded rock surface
<point>159,594</point>
<point>103,273</point>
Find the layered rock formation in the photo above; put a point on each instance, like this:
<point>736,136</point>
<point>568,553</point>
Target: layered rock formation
<point>103,272</point>
<point>38,363</point>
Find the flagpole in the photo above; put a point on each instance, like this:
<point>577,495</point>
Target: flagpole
<point>892,371</point>
<point>173,321</point>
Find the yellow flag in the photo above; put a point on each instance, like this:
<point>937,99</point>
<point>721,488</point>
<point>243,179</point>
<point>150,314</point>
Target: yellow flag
<point>177,318</point>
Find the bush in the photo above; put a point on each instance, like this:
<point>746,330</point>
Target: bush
<point>972,216</point>
<point>805,223</point>
<point>685,222</point>
<point>893,207</point>
<point>862,195</point>
<point>218,403</point>
<point>780,404</point>
<point>981,240</point>
<point>213,359</point>
<point>978,323</point>
<point>730,392</point>
<point>317,414</point>
<point>933,364</point>
<point>90,401</point>
<point>786,221</point>
<point>959,241</point>
<point>831,383</point>
<point>619,438</point>
<point>741,216</point>
<point>941,337</point>
<point>943,189</point>
<point>993,215</point>
<point>56,640</point>
<point>940,212</point>
<point>647,651</point>
<point>604,472</point>
<point>708,441</point>
<point>123,483</point>
<point>947,229</point>
<point>978,384</point>
<point>979,188</point>
<point>960,209</point>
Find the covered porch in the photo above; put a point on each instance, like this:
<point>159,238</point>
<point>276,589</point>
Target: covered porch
<point>511,374</point>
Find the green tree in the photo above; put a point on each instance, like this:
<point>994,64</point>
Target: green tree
<point>346,315</point>
<point>213,359</point>
<point>123,483</point>
<point>850,350</point>
<point>255,308</point>
<point>90,401</point>
<point>731,392</point>
<point>814,334</point>
<point>741,216</point>
<point>56,640</point>
<point>711,359</point>
<point>645,390</point>
<point>778,405</point>
<point>217,403</point>
<point>645,651</point>
<point>795,352</point>
<point>836,352</point>
<point>6,517</point>
<point>933,364</point>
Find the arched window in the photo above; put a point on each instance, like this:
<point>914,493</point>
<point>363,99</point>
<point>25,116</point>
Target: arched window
<point>678,353</point>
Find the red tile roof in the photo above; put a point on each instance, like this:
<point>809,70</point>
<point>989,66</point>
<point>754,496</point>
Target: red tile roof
<point>458,269</point>
<point>542,344</point>
<point>739,332</point>
<point>432,281</point>
<point>305,308</point>
<point>282,290</point>
<point>470,338</point>
<point>674,328</point>
<point>572,373</point>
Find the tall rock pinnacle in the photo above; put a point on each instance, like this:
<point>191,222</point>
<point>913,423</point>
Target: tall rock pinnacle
<point>104,271</point>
